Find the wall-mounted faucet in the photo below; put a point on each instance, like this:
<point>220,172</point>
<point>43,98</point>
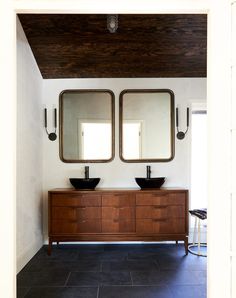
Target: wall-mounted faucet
<point>86,172</point>
<point>148,172</point>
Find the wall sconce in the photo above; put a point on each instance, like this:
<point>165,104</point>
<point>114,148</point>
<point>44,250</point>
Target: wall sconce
<point>180,134</point>
<point>52,136</point>
<point>112,22</point>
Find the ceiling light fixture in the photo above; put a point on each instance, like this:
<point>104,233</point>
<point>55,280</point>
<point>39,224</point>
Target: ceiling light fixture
<point>112,22</point>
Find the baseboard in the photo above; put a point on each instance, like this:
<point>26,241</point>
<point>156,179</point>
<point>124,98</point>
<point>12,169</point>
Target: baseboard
<point>25,257</point>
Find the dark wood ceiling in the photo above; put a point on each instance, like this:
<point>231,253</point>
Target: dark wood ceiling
<point>80,46</point>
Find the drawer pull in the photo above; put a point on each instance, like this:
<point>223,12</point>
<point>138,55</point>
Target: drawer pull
<point>159,219</point>
<point>82,221</point>
<point>160,207</point>
<point>120,195</point>
<point>117,207</point>
<point>158,195</point>
<point>82,208</point>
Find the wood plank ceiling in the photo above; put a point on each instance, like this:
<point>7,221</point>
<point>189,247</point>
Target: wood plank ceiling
<point>80,46</point>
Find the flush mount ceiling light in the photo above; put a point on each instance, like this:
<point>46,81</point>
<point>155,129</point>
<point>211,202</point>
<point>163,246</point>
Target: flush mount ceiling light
<point>112,22</point>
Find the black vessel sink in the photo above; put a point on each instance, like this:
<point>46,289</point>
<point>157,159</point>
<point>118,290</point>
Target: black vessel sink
<point>83,183</point>
<point>150,182</point>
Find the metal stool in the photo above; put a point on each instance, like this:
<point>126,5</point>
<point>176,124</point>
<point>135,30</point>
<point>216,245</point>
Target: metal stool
<point>198,214</point>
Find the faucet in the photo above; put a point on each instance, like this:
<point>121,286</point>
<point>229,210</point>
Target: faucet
<point>86,172</point>
<point>148,172</point>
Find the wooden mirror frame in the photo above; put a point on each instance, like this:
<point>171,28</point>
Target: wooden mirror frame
<point>172,126</point>
<point>61,126</point>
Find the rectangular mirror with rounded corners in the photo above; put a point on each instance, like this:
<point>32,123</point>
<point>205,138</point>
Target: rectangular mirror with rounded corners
<point>147,125</point>
<point>87,125</point>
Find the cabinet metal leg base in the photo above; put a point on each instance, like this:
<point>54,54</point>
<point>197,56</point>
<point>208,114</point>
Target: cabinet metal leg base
<point>198,252</point>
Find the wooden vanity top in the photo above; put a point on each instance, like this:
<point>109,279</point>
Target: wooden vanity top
<point>102,190</point>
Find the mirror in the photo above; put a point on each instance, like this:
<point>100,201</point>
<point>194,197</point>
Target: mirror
<point>147,125</point>
<point>86,126</point>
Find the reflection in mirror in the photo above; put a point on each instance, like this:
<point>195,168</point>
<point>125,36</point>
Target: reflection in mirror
<point>86,125</point>
<point>147,125</point>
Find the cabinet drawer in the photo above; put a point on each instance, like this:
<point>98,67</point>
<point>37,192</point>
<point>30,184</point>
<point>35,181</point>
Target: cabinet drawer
<point>160,199</point>
<point>177,198</point>
<point>160,211</point>
<point>64,213</point>
<point>89,212</point>
<point>76,227</point>
<point>118,226</point>
<point>160,226</point>
<point>75,200</point>
<point>118,199</point>
<point>89,226</point>
<point>118,213</point>
<point>74,213</point>
<point>64,227</point>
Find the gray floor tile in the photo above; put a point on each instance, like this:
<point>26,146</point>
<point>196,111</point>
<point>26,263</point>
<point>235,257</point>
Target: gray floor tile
<point>42,278</point>
<point>129,265</point>
<point>47,264</point>
<point>189,262</point>
<point>21,292</point>
<point>144,278</point>
<point>142,255</point>
<point>135,292</point>
<point>102,255</point>
<point>99,278</point>
<point>60,292</point>
<point>61,253</point>
<point>189,291</point>
<point>169,277</point>
<point>184,277</point>
<point>140,271</point>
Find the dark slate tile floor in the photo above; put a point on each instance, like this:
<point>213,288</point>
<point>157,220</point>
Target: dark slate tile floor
<point>113,270</point>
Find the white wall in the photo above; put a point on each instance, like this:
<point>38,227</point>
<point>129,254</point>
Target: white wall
<point>29,152</point>
<point>233,124</point>
<point>118,173</point>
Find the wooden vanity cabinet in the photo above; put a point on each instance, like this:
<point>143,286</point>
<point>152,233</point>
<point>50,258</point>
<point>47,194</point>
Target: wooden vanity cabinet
<point>118,215</point>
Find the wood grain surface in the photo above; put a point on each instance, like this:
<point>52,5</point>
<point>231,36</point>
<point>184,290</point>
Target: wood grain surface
<point>80,46</point>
